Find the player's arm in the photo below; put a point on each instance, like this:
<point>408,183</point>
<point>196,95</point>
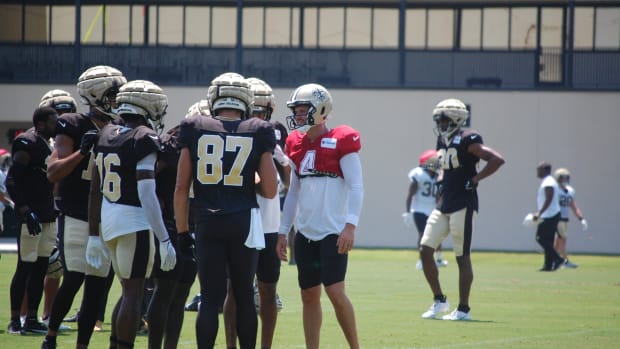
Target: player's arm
<point>181,191</point>
<point>351,166</point>
<point>94,203</point>
<point>268,186</point>
<point>63,159</point>
<point>576,210</point>
<point>493,161</point>
<point>289,212</point>
<point>413,188</point>
<point>15,181</point>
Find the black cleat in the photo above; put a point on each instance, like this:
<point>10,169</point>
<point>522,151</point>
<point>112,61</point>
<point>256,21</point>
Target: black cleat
<point>15,327</point>
<point>35,326</point>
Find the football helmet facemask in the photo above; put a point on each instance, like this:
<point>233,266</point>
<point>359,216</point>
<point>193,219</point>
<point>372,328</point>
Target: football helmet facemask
<point>60,100</point>
<point>264,100</point>
<point>144,98</point>
<point>230,91</point>
<point>317,98</point>
<point>429,160</point>
<point>455,111</point>
<point>98,86</point>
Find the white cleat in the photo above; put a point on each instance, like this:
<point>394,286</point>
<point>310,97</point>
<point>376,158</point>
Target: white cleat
<point>436,308</point>
<point>418,265</point>
<point>457,315</point>
<point>441,263</point>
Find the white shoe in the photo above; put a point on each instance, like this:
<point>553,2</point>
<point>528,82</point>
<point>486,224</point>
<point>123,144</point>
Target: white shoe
<point>441,263</point>
<point>457,315</point>
<point>418,265</point>
<point>436,308</point>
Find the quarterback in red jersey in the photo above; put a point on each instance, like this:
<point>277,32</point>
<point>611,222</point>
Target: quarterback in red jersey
<point>324,201</point>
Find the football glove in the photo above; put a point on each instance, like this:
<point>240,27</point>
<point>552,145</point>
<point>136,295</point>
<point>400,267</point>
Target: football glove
<point>168,255</point>
<point>186,246</point>
<point>469,185</point>
<point>584,224</point>
<point>96,253</point>
<point>408,219</point>
<point>279,156</point>
<point>32,222</point>
<point>88,140</point>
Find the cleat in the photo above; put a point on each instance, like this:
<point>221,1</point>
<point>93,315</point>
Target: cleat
<point>441,263</point>
<point>194,304</point>
<point>279,304</point>
<point>457,315</point>
<point>48,345</point>
<point>35,326</point>
<point>436,308</point>
<point>569,264</point>
<point>15,327</point>
<point>418,265</point>
<point>73,318</point>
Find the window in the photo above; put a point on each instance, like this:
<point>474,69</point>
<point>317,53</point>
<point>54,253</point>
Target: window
<point>91,24</point>
<point>36,24</point>
<point>197,25</point>
<point>278,26</point>
<point>224,26</point>
<point>607,28</point>
<point>358,27</point>
<point>440,28</point>
<point>584,28</point>
<point>11,17</point>
<point>471,22</point>
<point>551,31</point>
<point>170,25</point>
<point>310,27</point>
<point>523,28</point>
<point>331,27</point>
<point>495,28</point>
<point>63,24</point>
<point>117,24</point>
<point>253,26</point>
<point>385,31</point>
<point>415,29</point>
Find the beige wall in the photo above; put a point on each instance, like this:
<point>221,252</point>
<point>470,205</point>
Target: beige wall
<point>576,130</point>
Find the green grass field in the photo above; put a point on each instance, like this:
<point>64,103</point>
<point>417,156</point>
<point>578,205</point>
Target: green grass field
<point>513,305</point>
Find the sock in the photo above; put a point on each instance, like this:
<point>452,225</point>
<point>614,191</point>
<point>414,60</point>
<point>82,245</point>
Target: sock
<point>464,308</point>
<point>440,297</point>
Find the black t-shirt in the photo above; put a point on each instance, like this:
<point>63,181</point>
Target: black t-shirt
<point>225,156</point>
<point>117,153</point>
<point>74,188</point>
<point>33,187</point>
<point>459,166</point>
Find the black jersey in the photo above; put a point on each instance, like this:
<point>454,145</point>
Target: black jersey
<point>32,187</point>
<point>117,152</point>
<point>167,161</point>
<point>459,166</point>
<point>73,189</point>
<point>225,156</point>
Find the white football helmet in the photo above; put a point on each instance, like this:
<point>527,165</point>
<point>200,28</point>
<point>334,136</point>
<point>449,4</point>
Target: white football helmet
<point>141,97</point>
<point>230,91</point>
<point>199,108</point>
<point>562,175</point>
<point>264,100</point>
<point>319,100</point>
<point>429,160</point>
<point>98,86</point>
<point>60,100</point>
<point>455,111</point>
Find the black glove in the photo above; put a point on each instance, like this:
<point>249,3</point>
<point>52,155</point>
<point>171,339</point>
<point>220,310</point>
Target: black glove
<point>32,222</point>
<point>88,140</point>
<point>186,246</point>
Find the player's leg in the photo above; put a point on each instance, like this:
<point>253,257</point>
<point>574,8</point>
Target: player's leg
<point>333,272</point>
<point>134,257</point>
<point>177,311</point>
<point>104,301</point>
<point>309,279</point>
<point>291,246</point>
<point>461,225</point>
<point>230,317</point>
<point>242,266</point>
<point>26,250</point>
<point>545,233</point>
<point>435,232</point>
<point>268,274</point>
<point>34,286</point>
<point>211,259</point>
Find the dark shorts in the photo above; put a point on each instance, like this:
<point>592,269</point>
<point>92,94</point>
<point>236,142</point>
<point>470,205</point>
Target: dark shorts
<point>318,262</point>
<point>268,269</point>
<point>184,271</point>
<point>420,221</point>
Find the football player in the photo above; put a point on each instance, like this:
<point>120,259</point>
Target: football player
<point>70,169</point>
<point>459,151</point>
<point>33,196</point>
<point>221,155</point>
<point>166,307</point>
<point>123,198</point>
<point>268,302</point>
<point>62,102</point>
<point>567,201</point>
<point>421,199</point>
<point>548,202</point>
<point>325,200</point>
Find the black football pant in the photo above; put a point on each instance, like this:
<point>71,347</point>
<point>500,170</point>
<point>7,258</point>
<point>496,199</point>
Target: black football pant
<point>545,233</point>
